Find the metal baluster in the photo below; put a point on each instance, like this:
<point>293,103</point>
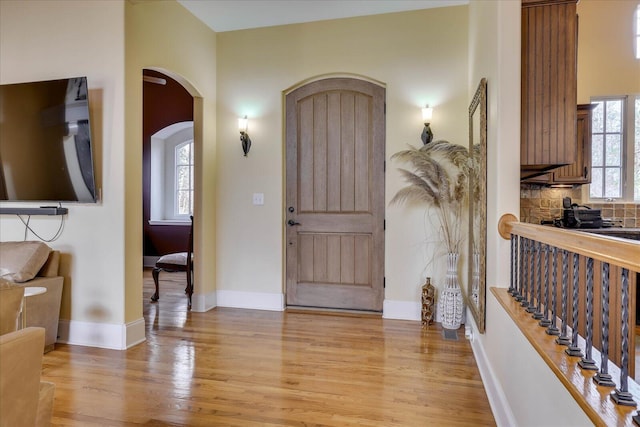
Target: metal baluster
<point>586,362</point>
<point>534,306</point>
<point>520,260</point>
<point>563,339</point>
<point>524,279</point>
<point>603,377</point>
<point>514,266</point>
<point>546,321</point>
<point>553,329</point>
<point>622,396</point>
<point>538,308</point>
<point>525,289</point>
<point>573,349</point>
<point>528,303</point>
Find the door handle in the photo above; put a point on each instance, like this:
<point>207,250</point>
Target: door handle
<point>291,223</point>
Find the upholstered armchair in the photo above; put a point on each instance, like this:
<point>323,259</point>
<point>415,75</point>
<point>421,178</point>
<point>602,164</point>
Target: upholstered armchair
<point>24,399</point>
<point>10,306</point>
<point>33,263</point>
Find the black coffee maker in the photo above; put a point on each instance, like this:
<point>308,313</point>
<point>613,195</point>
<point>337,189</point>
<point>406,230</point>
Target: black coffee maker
<point>579,216</point>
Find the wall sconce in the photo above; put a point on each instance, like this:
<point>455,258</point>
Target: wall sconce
<point>427,134</point>
<point>244,136</point>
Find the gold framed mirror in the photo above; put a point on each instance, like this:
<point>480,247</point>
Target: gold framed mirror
<point>476,283</point>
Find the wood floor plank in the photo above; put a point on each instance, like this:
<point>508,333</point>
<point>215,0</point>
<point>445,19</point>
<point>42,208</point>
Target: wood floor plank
<point>232,367</point>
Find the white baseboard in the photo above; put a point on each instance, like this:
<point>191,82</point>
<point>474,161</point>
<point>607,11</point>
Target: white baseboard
<point>204,302</point>
<point>135,332</point>
<point>401,310</point>
<point>250,300</point>
<point>149,261</point>
<point>497,400</point>
<point>101,335</point>
<point>410,310</point>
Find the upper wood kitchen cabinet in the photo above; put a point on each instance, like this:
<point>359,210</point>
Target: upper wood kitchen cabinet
<point>548,86</point>
<point>579,172</point>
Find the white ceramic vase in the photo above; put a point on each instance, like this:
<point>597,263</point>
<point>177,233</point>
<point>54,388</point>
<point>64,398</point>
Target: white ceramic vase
<point>475,279</point>
<point>450,304</point>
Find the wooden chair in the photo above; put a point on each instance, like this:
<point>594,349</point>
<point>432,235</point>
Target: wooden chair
<point>179,261</point>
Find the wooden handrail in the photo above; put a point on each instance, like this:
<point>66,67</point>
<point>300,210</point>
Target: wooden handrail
<point>621,252</point>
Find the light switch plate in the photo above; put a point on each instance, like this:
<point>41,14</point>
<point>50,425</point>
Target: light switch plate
<point>258,199</point>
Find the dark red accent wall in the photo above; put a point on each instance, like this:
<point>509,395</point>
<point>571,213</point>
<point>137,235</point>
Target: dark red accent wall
<point>163,105</point>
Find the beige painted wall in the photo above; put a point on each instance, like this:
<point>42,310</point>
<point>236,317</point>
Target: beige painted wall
<point>102,242</point>
<point>420,56</point>
<point>606,56</point>
<point>41,40</point>
<point>517,380</point>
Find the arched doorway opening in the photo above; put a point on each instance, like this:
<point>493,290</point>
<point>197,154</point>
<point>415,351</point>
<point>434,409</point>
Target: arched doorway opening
<point>168,193</point>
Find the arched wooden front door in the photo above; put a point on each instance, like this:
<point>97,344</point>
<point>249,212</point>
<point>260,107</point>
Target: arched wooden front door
<point>335,150</point>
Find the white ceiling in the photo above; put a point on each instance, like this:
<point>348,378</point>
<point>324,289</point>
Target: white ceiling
<point>229,15</point>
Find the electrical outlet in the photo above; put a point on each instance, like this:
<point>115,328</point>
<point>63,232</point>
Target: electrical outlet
<point>258,199</point>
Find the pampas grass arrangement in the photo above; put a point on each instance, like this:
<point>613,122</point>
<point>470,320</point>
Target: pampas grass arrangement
<point>440,180</point>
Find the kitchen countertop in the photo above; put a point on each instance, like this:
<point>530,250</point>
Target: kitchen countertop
<point>625,233</point>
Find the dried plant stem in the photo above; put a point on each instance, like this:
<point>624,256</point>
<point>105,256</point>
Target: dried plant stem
<point>439,179</point>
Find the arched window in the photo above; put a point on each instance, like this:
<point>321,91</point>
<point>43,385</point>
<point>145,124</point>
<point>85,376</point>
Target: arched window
<point>172,168</point>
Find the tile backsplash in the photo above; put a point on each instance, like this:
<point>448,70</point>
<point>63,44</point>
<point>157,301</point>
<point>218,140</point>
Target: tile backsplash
<point>622,214</point>
<point>543,203</point>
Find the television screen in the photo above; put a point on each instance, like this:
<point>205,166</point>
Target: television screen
<point>45,142</point>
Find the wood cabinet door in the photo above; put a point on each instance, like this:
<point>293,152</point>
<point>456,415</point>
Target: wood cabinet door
<point>549,84</point>
<point>579,172</point>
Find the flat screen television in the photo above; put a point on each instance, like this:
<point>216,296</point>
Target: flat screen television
<point>45,142</point>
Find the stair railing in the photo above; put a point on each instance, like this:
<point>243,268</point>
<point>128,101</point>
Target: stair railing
<point>594,303</point>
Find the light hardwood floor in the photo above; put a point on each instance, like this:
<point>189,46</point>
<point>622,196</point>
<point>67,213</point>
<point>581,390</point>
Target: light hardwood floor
<point>232,367</point>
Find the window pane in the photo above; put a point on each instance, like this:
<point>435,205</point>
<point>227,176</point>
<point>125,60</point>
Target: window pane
<point>183,180</point>
<point>183,154</point>
<point>614,150</point>
<point>612,182</point>
<point>184,202</point>
<point>595,189</point>
<point>596,118</point>
<point>614,116</point>
<point>597,151</point>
